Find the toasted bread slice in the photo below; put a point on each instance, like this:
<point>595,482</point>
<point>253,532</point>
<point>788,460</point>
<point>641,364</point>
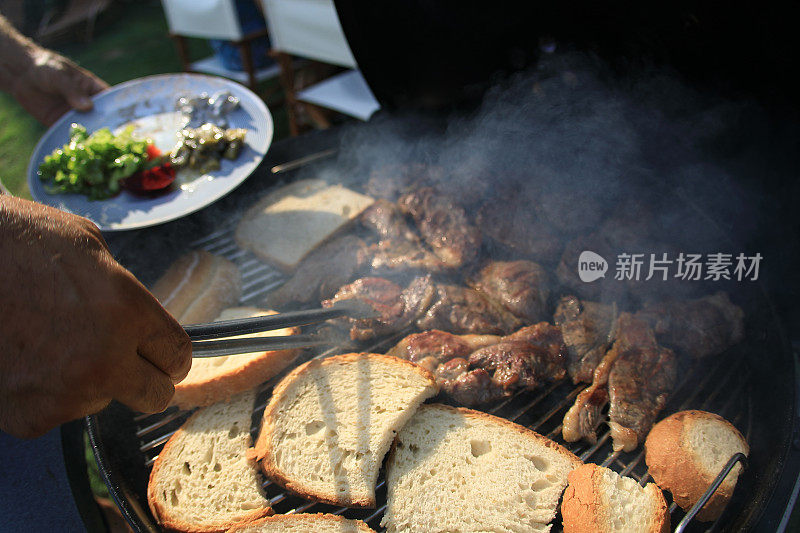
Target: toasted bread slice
<point>288,223</point>
<point>455,469</point>
<point>203,481</point>
<point>687,450</point>
<point>198,286</point>
<point>303,523</point>
<point>215,379</point>
<point>599,500</point>
<point>330,422</point>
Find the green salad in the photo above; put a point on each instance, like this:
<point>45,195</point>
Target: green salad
<point>94,164</point>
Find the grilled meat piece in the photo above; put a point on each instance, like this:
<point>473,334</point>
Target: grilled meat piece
<point>397,307</point>
<point>463,310</point>
<point>701,327</point>
<point>518,364</point>
<point>399,247</point>
<point>588,331</point>
<point>432,348</point>
<point>639,384</point>
<point>636,376</point>
<point>510,221</point>
<point>467,386</point>
<point>444,226</point>
<point>475,369</point>
<point>321,272</point>
<point>520,286</point>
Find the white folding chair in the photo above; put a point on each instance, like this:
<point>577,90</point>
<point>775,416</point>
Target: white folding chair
<point>311,29</point>
<point>214,19</point>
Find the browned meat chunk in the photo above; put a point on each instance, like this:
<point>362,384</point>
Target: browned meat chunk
<point>443,225</point>
<point>520,286</point>
<point>434,347</point>
<point>639,385</point>
<point>463,310</point>
<point>475,369</point>
<point>399,247</point>
<point>638,376</point>
<point>321,272</point>
<point>465,386</point>
<point>701,328</point>
<point>518,364</point>
<point>397,308</point>
<point>587,328</point>
<point>511,221</point>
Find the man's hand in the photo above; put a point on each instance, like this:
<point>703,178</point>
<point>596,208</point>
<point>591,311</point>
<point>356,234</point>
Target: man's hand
<point>77,329</point>
<point>46,84</point>
<point>52,85</point>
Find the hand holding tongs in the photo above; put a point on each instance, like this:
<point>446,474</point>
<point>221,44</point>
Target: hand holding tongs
<point>204,346</point>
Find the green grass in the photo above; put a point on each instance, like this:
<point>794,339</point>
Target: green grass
<point>130,41</point>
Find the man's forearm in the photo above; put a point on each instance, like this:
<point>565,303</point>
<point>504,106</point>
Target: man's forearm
<point>17,54</point>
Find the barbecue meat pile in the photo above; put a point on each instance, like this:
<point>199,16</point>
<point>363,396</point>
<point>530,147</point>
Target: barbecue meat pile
<point>514,286</point>
<point>700,328</point>
<point>636,376</point>
<point>520,286</point>
<point>588,330</point>
<point>476,369</point>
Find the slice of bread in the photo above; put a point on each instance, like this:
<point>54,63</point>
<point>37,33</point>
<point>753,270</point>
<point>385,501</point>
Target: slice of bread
<point>203,481</point>
<point>330,422</point>
<point>687,450</point>
<point>288,223</point>
<point>198,286</point>
<point>303,523</point>
<point>599,500</point>
<point>215,379</point>
<point>457,470</point>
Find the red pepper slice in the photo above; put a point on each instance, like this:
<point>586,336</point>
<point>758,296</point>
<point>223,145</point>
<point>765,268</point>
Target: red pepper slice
<point>153,179</point>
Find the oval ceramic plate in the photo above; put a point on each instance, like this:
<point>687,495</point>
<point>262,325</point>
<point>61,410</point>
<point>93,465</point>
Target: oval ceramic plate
<point>139,101</point>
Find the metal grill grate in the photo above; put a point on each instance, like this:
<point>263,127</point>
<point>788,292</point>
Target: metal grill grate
<point>721,387</point>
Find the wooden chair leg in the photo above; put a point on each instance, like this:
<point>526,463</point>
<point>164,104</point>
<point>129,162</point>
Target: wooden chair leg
<point>286,78</point>
<point>247,63</point>
<point>183,51</point>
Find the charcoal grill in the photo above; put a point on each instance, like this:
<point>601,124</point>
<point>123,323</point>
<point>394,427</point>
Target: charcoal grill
<point>755,392</point>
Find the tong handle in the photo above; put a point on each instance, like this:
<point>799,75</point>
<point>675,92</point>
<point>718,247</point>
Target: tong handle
<point>739,457</point>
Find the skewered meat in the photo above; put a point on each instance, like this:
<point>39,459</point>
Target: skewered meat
<point>475,369</point>
<point>701,328</point>
<point>588,331</point>
<point>636,377</point>
<point>397,307</point>
<point>399,248</point>
<point>512,222</point>
<point>443,225</point>
<point>463,310</point>
<point>321,272</point>
<point>521,286</point>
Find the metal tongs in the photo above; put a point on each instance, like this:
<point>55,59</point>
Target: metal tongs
<point>211,340</point>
